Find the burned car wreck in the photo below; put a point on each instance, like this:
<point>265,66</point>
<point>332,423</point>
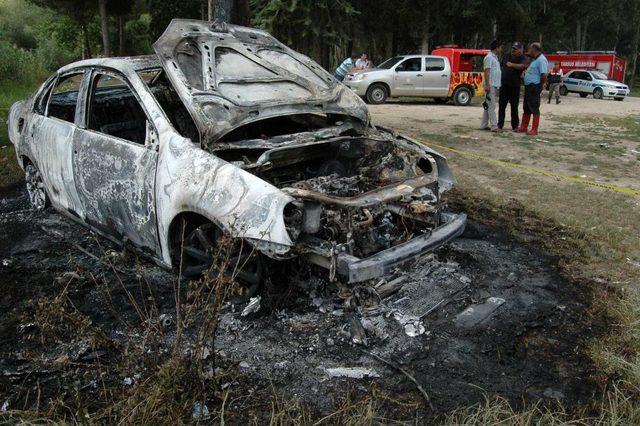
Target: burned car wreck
<point>229,132</point>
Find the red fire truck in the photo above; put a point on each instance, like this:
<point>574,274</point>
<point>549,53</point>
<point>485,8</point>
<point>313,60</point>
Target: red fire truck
<point>466,72</point>
<point>607,62</point>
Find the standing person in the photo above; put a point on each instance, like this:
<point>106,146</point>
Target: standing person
<point>534,79</point>
<point>512,67</point>
<point>346,66</point>
<point>555,81</point>
<point>363,63</point>
<point>492,81</point>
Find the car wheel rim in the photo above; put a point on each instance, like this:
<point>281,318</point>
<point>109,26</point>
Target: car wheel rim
<point>598,94</point>
<point>463,97</point>
<point>243,264</point>
<point>377,95</point>
<point>35,188</point>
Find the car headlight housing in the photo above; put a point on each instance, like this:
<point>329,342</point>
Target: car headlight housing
<point>360,77</point>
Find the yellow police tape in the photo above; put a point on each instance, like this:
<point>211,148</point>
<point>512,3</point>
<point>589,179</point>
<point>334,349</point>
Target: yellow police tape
<point>620,189</point>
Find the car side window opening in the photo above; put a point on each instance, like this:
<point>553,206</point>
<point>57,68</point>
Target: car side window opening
<point>170,102</point>
<point>64,98</point>
<point>434,64</point>
<point>409,65</point>
<point>114,110</point>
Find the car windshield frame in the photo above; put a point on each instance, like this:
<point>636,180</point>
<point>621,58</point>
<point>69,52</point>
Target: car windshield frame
<point>390,62</point>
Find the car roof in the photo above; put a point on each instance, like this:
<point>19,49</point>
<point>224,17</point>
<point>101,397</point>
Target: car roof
<point>124,63</point>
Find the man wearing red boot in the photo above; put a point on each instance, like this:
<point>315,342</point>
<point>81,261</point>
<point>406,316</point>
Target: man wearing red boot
<point>534,79</point>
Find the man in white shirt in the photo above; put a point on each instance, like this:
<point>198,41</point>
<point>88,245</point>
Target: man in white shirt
<point>363,63</point>
<point>492,82</point>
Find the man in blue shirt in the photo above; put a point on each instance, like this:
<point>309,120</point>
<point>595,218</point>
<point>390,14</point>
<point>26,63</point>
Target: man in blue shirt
<point>345,66</point>
<point>534,79</point>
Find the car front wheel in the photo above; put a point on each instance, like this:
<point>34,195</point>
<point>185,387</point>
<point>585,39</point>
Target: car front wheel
<point>598,93</point>
<point>35,188</point>
<point>205,249</point>
<point>377,94</point>
<point>462,96</point>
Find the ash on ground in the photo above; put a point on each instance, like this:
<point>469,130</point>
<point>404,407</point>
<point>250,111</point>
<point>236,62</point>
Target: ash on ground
<point>482,316</point>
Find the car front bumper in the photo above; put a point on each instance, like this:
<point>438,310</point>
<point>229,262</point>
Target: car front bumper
<point>359,87</point>
<point>615,92</point>
<point>355,269</point>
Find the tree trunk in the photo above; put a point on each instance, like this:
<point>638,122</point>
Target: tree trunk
<point>86,47</point>
<point>583,43</point>
<point>210,9</point>
<point>424,46</point>
<point>578,35</point>
<point>240,13</point>
<point>121,35</point>
<point>223,10</point>
<point>104,25</point>
<point>633,63</point>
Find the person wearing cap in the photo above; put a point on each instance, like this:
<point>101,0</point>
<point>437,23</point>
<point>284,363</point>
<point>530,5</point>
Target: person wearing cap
<point>492,81</point>
<point>513,63</point>
<point>534,79</point>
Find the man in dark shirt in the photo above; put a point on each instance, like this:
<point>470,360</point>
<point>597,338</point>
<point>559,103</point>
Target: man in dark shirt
<point>513,63</point>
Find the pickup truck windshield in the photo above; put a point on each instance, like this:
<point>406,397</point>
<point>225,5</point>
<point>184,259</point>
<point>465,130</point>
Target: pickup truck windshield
<point>390,62</point>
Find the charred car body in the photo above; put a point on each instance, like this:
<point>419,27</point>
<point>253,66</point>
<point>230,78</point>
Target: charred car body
<point>232,133</point>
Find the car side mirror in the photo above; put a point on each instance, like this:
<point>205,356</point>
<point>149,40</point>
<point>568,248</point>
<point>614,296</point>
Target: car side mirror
<point>151,139</point>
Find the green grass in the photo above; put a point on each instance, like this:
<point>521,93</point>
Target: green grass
<point>10,173</point>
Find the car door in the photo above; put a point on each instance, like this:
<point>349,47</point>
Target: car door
<point>436,77</point>
<point>409,78</point>
<point>114,162</point>
<point>51,131</point>
<point>571,81</point>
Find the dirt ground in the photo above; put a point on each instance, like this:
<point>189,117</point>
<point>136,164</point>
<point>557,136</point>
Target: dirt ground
<point>587,138</point>
<point>484,316</point>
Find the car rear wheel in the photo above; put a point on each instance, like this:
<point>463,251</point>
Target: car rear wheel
<point>564,91</point>
<point>35,188</point>
<point>203,251</point>
<point>584,95</point>
<point>377,94</point>
<point>462,96</point>
<point>598,93</point>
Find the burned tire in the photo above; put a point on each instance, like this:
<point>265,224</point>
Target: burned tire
<point>462,96</point>
<point>583,95</point>
<point>441,101</point>
<point>199,247</point>
<point>35,188</point>
<point>598,93</point>
<point>564,91</point>
<point>377,94</point>
<point>619,99</point>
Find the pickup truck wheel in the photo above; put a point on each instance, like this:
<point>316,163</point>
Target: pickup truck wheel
<point>377,94</point>
<point>598,93</point>
<point>35,188</point>
<point>564,91</point>
<point>462,96</point>
<point>584,95</point>
<point>202,245</point>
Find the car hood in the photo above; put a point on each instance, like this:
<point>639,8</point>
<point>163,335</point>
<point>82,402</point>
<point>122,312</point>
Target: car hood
<point>228,76</point>
<point>612,83</point>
